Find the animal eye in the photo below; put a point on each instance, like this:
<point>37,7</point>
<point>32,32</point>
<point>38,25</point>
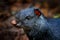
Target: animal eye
<point>37,12</point>
<point>28,17</point>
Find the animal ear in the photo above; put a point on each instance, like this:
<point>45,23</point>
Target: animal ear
<point>37,12</point>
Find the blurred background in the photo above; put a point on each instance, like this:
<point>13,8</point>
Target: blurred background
<point>9,8</point>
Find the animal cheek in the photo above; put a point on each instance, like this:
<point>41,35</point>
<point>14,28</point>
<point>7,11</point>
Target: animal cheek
<point>19,24</point>
<point>25,21</point>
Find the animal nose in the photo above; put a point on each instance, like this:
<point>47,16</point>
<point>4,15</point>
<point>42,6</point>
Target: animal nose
<point>13,21</point>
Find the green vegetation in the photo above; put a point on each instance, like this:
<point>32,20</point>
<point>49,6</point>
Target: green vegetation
<point>57,15</point>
